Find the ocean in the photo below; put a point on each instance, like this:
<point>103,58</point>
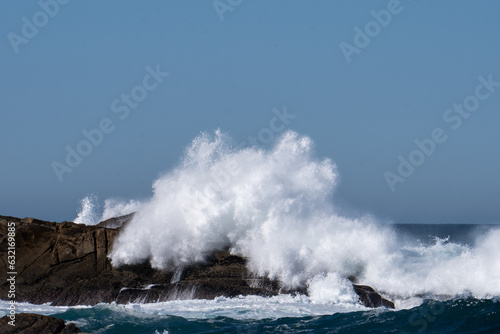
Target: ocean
<point>274,207</point>
<point>460,313</point>
<point>455,316</point>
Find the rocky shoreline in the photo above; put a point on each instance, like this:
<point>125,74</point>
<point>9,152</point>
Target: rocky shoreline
<point>27,323</point>
<point>67,264</point>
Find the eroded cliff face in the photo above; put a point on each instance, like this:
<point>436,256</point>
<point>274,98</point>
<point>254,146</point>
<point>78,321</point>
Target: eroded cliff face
<point>67,264</point>
<point>60,263</point>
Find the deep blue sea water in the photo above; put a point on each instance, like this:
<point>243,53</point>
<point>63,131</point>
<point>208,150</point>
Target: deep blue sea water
<point>453,316</point>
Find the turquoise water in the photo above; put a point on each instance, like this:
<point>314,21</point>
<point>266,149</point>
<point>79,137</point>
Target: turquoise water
<point>454,316</point>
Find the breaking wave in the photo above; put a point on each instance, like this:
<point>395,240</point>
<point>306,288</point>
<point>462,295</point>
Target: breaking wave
<point>274,206</point>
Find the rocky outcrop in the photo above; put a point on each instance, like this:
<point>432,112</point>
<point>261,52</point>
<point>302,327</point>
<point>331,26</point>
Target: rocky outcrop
<point>29,323</point>
<point>61,262</point>
<point>67,264</point>
<point>370,298</point>
<point>116,222</point>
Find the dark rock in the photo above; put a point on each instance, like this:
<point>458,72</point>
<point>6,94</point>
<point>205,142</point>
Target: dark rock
<point>116,222</point>
<point>67,264</point>
<point>370,298</point>
<point>29,323</point>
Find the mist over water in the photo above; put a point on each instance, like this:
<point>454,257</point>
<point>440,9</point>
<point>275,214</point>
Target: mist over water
<point>274,207</point>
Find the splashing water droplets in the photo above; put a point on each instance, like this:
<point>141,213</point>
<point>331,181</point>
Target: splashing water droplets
<point>88,211</point>
<point>270,206</point>
<point>273,206</point>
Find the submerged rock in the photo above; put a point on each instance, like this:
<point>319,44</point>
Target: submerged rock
<point>67,264</point>
<point>30,323</point>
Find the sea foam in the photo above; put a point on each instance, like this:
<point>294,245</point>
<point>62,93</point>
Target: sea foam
<point>271,206</point>
<point>274,206</point>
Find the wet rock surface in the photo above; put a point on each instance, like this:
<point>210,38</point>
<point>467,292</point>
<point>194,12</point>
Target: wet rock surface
<point>67,264</point>
<point>370,298</point>
<point>30,323</point>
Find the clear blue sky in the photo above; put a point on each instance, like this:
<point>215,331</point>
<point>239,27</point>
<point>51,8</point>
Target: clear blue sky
<point>230,74</point>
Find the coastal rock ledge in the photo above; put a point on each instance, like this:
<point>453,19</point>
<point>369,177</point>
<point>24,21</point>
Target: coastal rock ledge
<point>30,323</point>
<point>67,264</point>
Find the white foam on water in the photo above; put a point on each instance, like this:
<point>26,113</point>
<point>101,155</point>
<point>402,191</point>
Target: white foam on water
<point>274,207</point>
<point>247,307</point>
<point>43,309</point>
